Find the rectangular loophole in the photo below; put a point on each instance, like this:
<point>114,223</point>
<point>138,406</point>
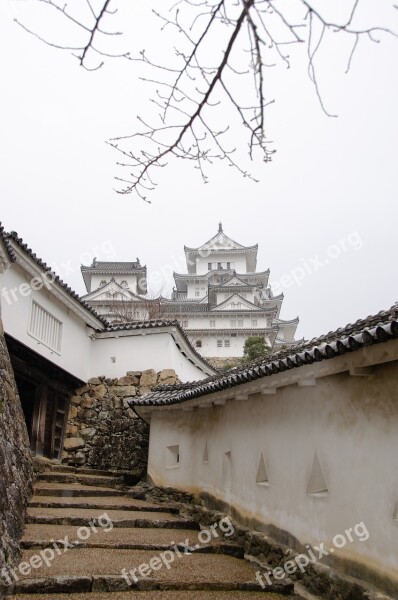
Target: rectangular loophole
<point>172,456</point>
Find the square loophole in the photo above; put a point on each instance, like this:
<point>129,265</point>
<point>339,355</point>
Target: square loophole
<point>172,456</point>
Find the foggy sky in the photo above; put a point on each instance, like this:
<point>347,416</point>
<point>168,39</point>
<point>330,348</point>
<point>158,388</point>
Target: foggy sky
<point>324,213</point>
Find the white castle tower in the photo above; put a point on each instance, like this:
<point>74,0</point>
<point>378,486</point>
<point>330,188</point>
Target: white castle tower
<point>222,300</point>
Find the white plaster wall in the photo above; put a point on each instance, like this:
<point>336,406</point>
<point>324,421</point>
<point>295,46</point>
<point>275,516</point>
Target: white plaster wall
<point>238,260</point>
<point>209,345</point>
<point>223,321</point>
<point>75,348</point>
<point>131,280</point>
<point>202,287</point>
<point>139,352</point>
<point>350,422</point>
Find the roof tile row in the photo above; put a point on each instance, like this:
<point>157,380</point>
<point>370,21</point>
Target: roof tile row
<point>365,332</point>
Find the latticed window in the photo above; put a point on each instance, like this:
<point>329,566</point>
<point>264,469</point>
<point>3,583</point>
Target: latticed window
<point>45,328</point>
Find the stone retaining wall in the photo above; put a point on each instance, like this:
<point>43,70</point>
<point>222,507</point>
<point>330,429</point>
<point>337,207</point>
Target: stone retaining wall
<point>16,473</point>
<point>102,431</point>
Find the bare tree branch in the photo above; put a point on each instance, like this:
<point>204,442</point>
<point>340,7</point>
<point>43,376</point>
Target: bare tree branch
<point>195,98</point>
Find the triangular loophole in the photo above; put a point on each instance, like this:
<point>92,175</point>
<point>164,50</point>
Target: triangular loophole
<point>317,482</point>
<point>206,454</point>
<point>262,475</point>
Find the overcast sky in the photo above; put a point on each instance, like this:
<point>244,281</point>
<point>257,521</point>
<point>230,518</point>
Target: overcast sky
<point>324,213</point>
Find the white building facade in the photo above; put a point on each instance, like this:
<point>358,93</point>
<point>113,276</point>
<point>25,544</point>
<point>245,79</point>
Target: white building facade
<point>222,300</point>
<point>300,447</point>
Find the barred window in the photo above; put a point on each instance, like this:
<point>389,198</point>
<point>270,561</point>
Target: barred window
<point>45,328</point>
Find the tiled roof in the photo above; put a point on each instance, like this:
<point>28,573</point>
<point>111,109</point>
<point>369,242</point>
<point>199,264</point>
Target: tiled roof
<point>19,241</point>
<point>6,244</point>
<point>121,267</point>
<point>365,332</point>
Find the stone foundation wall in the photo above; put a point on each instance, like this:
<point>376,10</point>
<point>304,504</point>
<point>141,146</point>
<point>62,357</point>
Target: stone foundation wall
<point>102,431</point>
<point>16,472</point>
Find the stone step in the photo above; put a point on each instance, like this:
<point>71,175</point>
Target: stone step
<point>119,518</point>
<point>98,480</point>
<point>119,503</point>
<point>70,490</point>
<point>61,468</point>
<point>42,536</point>
<point>142,570</point>
<point>157,595</point>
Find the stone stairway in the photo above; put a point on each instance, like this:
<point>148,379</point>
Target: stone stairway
<point>88,538</point>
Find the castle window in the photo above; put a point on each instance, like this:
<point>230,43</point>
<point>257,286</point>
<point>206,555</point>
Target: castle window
<point>228,265</point>
<point>212,323</point>
<point>45,328</point>
<point>124,284</point>
<point>184,323</point>
<point>219,343</point>
<point>226,343</point>
<point>254,322</point>
<point>103,282</point>
<point>197,293</point>
<point>233,322</point>
<point>198,343</point>
<point>240,322</point>
<point>209,266</point>
<point>219,266</point>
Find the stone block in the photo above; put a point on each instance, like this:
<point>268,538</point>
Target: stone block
<point>73,412</point>
<point>99,391</point>
<point>118,403</point>
<point>73,443</point>
<point>168,381</point>
<point>148,378</point>
<point>128,380</point>
<point>167,374</point>
<point>94,381</point>
<point>122,390</point>
<point>88,402</point>
<point>88,432</point>
<point>145,390</point>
